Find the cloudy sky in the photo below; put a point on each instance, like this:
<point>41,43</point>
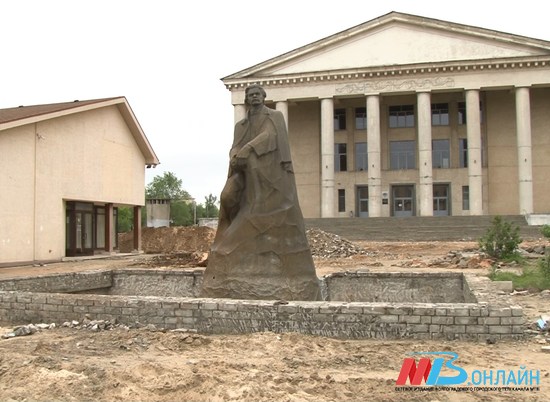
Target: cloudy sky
<point>167,58</point>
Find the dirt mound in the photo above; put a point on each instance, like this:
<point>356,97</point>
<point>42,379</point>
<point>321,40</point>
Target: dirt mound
<point>176,239</point>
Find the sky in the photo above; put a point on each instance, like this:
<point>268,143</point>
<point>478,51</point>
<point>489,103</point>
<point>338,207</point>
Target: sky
<point>167,57</point>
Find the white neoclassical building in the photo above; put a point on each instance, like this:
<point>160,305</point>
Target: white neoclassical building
<point>410,116</point>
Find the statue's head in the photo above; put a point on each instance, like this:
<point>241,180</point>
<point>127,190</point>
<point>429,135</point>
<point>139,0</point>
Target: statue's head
<point>251,87</point>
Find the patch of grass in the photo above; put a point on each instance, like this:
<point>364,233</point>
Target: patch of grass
<point>532,278</point>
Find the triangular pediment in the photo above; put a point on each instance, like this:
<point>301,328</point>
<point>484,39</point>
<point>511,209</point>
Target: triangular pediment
<point>398,39</point>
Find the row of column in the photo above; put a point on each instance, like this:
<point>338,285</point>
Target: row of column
<point>473,128</point>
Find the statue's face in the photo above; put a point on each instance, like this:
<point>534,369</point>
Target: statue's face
<point>255,97</point>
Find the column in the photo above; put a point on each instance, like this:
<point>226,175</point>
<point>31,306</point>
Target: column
<point>239,112</point>
<point>137,228</point>
<point>425,190</point>
<point>374,156</point>
<point>327,158</point>
<point>109,243</point>
<point>473,134</point>
<point>282,106</point>
<point>525,168</point>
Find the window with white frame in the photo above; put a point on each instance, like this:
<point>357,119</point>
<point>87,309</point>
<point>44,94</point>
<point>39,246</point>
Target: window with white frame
<point>402,155</point>
<point>440,154</point>
<point>361,156</point>
<point>339,119</point>
<point>360,118</point>
<point>340,157</point>
<point>401,116</point>
<point>440,114</point>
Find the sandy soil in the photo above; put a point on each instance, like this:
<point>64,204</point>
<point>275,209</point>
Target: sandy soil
<point>64,364</point>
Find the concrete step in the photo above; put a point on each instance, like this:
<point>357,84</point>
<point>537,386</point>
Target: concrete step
<point>443,228</point>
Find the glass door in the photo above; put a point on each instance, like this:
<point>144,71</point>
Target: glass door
<point>403,200</point>
<point>441,199</point>
<point>80,229</point>
<point>363,202</point>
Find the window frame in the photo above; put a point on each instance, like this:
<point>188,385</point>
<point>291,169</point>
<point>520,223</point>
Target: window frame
<point>362,157</point>
<point>439,154</point>
<point>401,116</point>
<point>440,114</point>
<point>360,121</point>
<point>339,119</point>
<point>340,157</point>
<point>409,154</point>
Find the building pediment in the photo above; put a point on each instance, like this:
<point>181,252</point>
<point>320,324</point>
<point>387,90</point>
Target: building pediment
<point>397,39</point>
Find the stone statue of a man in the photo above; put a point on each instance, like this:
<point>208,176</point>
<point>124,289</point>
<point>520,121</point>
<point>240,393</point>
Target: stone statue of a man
<point>260,250</point>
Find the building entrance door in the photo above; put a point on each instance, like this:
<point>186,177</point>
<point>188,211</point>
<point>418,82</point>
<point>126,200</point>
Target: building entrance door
<point>441,199</point>
<point>363,202</point>
<point>403,200</point>
<point>80,229</point>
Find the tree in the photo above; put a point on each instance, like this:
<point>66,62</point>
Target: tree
<point>210,207</point>
<point>166,187</point>
<point>181,213</point>
<point>125,219</point>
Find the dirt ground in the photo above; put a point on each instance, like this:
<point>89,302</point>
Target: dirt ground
<point>147,364</point>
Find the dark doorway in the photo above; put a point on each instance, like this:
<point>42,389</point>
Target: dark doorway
<point>79,229</point>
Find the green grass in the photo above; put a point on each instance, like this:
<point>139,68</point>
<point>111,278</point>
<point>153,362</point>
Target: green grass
<point>532,278</point>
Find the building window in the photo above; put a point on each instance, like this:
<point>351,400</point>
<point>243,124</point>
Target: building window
<point>341,200</point>
<point>339,119</point>
<point>360,118</point>
<point>440,114</point>
<point>440,154</point>
<point>340,158</point>
<point>361,156</point>
<point>462,113</point>
<point>465,198</point>
<point>401,116</point>
<point>402,155</point>
<point>463,152</point>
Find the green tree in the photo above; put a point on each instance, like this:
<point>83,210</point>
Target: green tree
<point>501,240</point>
<point>210,208</point>
<point>167,187</point>
<point>125,219</point>
<point>181,213</point>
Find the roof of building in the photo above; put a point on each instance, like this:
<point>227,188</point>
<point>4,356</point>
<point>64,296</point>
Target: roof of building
<point>365,46</point>
<point>22,115</point>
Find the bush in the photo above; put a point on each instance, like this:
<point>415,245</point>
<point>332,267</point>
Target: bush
<point>545,230</point>
<point>501,240</point>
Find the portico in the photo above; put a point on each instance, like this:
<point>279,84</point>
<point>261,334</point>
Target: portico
<point>377,134</point>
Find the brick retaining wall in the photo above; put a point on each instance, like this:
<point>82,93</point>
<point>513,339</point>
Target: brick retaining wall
<point>492,316</point>
<point>225,316</point>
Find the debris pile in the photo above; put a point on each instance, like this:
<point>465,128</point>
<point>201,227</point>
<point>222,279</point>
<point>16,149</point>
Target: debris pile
<point>329,245</point>
<point>25,330</point>
<point>188,246</point>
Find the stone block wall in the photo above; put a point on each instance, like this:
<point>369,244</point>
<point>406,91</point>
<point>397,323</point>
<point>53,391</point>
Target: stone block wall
<point>355,320</point>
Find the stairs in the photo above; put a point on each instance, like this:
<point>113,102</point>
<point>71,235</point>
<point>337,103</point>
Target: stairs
<point>429,228</point>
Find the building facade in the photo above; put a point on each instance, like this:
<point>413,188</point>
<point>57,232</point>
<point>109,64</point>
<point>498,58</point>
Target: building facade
<point>410,116</point>
<point>67,169</point>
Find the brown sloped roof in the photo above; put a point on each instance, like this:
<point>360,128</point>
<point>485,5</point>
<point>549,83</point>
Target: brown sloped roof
<point>18,116</point>
<point>23,112</point>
